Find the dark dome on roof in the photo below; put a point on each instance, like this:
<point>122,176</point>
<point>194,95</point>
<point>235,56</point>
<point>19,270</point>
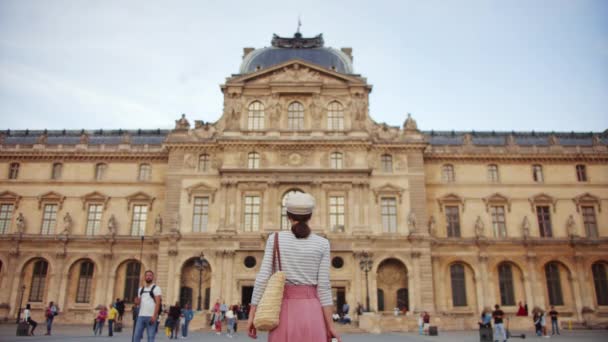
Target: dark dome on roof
<point>307,49</point>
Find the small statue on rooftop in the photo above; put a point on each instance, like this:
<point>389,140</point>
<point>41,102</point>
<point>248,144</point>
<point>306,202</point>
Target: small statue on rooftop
<point>182,123</point>
<point>410,124</point>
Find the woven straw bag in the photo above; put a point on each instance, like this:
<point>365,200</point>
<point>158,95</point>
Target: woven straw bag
<point>269,307</point>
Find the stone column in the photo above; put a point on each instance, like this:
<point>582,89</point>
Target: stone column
<point>426,281</point>
<point>582,276</point>
<point>415,284</point>
<point>55,280</point>
<point>271,219</point>
<point>537,295</point>
<point>173,252</point>
<point>576,296</point>
<point>485,286</point>
<point>439,285</point>
<point>12,284</point>
<point>229,276</point>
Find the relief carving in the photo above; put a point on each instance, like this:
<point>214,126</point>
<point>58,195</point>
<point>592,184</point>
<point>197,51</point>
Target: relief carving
<point>232,110</point>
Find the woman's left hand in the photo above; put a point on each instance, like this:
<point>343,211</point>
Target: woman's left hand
<point>251,330</point>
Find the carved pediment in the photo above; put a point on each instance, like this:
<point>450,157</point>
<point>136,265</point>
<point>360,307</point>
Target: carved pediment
<point>201,189</point>
<point>542,199</point>
<point>587,199</point>
<point>10,197</point>
<point>388,189</point>
<point>497,199</point>
<point>95,197</point>
<point>140,197</point>
<point>295,70</point>
<point>450,199</point>
<point>51,197</point>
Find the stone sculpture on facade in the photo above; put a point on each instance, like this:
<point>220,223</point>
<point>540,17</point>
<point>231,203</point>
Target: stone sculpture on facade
<point>112,226</point>
<point>479,228</point>
<point>20,222</point>
<point>410,124</point>
<point>525,228</point>
<point>182,123</point>
<point>571,227</point>
<point>411,221</point>
<point>67,225</point>
<point>158,224</point>
<point>432,226</point>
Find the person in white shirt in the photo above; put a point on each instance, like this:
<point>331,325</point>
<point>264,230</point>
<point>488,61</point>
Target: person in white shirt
<point>150,298</point>
<point>27,316</point>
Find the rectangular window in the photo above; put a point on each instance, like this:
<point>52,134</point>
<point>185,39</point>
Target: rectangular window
<point>93,219</point>
<point>387,163</point>
<point>389,215</point>
<point>85,280</point>
<point>581,173</point>
<point>498,221</point>
<point>537,173</point>
<point>452,216</point>
<point>493,173</point>
<point>6,215</point>
<point>544,221</point>
<point>200,216</point>
<point>252,214</point>
<point>57,170</point>
<point>38,281</point>
<point>590,222</point>
<point>138,222</point>
<point>49,219</point>
<point>13,172</point>
<point>336,213</point>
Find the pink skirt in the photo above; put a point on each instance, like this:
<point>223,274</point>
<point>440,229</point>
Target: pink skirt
<point>301,317</point>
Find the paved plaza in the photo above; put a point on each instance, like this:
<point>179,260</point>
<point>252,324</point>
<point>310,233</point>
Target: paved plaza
<point>83,333</point>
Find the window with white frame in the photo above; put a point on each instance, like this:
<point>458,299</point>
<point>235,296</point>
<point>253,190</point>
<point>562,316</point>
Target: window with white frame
<point>493,173</point>
<point>335,116</point>
<point>203,162</point>
<point>13,171</point>
<point>94,219</point>
<point>537,173</point>
<point>253,160</point>
<point>336,213</point>
<point>336,160</point>
<point>49,219</point>
<point>590,221</point>
<point>56,171</point>
<point>252,214</point>
<point>386,160</point>
<point>145,172</point>
<point>138,220</point>
<point>389,214</point>
<point>499,224</point>
<point>255,120</point>
<point>200,215</point>
<point>295,116</point>
<point>6,215</point>
<point>447,172</point>
<point>100,171</point>
<point>85,282</point>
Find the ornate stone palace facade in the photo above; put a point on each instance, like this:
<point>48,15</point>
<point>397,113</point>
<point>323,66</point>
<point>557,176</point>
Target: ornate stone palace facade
<point>453,221</point>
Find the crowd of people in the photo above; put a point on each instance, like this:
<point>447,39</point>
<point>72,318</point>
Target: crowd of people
<point>228,316</point>
<point>539,319</point>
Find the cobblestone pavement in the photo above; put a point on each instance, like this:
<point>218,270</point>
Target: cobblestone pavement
<point>84,333</point>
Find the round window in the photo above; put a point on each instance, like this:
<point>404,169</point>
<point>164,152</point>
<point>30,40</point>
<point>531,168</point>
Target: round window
<point>337,262</point>
<point>250,262</point>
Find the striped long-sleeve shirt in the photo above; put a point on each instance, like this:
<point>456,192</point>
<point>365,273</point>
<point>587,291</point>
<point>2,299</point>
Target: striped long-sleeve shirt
<point>304,261</point>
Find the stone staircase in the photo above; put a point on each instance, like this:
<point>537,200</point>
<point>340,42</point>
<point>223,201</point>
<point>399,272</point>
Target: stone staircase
<point>352,328</point>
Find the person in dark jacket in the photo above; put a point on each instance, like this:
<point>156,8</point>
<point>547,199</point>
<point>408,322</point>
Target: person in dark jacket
<point>174,314</point>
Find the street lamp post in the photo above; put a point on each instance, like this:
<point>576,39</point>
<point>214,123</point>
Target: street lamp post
<point>20,303</point>
<point>366,265</point>
<point>200,263</point>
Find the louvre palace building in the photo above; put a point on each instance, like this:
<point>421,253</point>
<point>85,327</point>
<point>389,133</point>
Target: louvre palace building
<point>439,221</point>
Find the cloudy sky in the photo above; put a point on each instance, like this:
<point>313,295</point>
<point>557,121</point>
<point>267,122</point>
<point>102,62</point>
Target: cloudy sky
<point>462,65</point>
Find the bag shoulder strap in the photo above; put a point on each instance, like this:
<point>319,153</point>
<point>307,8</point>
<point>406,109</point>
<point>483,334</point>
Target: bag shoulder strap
<point>276,254</point>
<point>152,291</point>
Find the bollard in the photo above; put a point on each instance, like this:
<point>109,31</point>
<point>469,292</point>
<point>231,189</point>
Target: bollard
<point>569,325</point>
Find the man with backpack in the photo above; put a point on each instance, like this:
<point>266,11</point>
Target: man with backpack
<point>149,306</point>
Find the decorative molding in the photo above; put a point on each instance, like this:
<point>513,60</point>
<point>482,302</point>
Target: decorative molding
<point>497,199</point>
<point>388,189</point>
<point>587,199</point>
<point>140,197</point>
<point>452,199</point>
<point>10,197</point>
<point>95,197</point>
<point>201,188</point>
<point>542,199</point>
<point>51,197</point>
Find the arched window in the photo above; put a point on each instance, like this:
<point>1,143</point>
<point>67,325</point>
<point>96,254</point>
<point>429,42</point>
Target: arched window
<point>56,172</point>
<point>447,173</point>
<point>38,281</point>
<point>13,171</point>
<point>554,286</point>
<point>132,271</point>
<point>459,285</point>
<point>285,225</point>
<point>255,120</point>
<point>85,282</point>
<point>600,280</point>
<point>145,172</point>
<point>493,173</point>
<point>336,160</point>
<point>387,163</point>
<point>203,162</point>
<point>253,160</point>
<point>335,116</point>
<point>100,171</point>
<point>505,282</point>
<point>295,116</point>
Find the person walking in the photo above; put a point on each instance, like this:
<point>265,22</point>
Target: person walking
<point>307,306</point>
<point>112,316</point>
<point>150,300</point>
<point>499,328</point>
<point>100,320</point>
<point>27,316</point>
<point>426,322</point>
<point>120,307</point>
<point>543,323</point>
<point>50,313</point>
<point>554,323</point>
<point>188,315</point>
<point>536,319</point>
<point>230,320</point>
<point>174,318</point>
<point>421,324</point>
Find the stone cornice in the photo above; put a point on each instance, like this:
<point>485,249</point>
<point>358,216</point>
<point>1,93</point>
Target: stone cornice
<point>311,173</point>
<point>523,156</point>
<point>81,155</point>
